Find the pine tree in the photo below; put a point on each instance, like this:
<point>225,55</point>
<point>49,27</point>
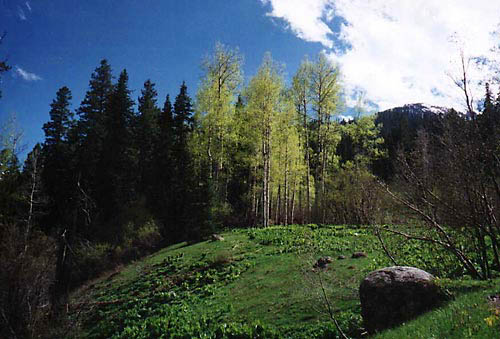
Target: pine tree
<point>56,175</point>
<point>93,106</point>
<point>163,163</point>
<point>183,119</point>
<point>189,209</point>
<point>183,174</point>
<point>147,133</point>
<point>488,99</point>
<point>56,130</point>
<point>58,179</point>
<point>91,128</point>
<point>115,178</point>
<point>166,126</point>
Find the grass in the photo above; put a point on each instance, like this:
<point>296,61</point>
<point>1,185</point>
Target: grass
<point>258,283</point>
<point>469,316</point>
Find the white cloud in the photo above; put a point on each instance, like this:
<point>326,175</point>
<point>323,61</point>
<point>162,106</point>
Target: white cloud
<point>28,6</point>
<point>346,118</point>
<point>27,75</point>
<point>305,18</point>
<point>401,50</point>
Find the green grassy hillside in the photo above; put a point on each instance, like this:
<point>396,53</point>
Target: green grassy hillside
<point>261,283</point>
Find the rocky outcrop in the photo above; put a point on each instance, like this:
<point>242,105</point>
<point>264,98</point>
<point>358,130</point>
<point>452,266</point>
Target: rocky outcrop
<point>392,295</point>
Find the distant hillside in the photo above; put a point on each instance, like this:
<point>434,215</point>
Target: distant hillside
<point>399,130</point>
<point>408,118</point>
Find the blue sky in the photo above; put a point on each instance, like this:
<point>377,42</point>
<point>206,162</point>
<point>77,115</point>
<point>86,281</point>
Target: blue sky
<point>59,43</point>
<point>392,52</point>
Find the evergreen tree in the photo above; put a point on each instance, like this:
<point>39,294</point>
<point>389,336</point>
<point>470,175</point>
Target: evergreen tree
<point>56,130</point>
<point>163,164</point>
<point>117,158</point>
<point>183,120</point>
<point>91,128</point>
<point>488,124</point>
<point>147,137</point>
<point>56,150</point>
<point>93,106</point>
<point>189,209</point>
<point>58,179</point>
<point>183,174</point>
<point>488,99</point>
<point>166,127</point>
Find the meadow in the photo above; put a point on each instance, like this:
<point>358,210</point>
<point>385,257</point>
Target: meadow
<point>261,283</point>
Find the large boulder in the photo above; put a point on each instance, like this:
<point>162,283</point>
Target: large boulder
<point>392,295</point>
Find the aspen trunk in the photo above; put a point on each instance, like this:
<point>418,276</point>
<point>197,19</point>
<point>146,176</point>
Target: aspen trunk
<point>292,201</point>
<point>286,186</point>
<point>307,213</point>
<point>265,184</point>
<point>278,207</point>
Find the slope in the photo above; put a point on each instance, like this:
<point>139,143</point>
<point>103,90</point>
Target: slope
<point>255,283</point>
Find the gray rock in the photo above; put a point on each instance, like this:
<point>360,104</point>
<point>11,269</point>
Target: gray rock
<point>392,295</point>
<point>341,257</point>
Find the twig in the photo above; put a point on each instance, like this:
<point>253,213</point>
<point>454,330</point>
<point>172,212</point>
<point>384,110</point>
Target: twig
<point>377,233</point>
<point>329,307</point>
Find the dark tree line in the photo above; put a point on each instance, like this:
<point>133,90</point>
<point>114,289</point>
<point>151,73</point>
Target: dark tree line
<point>114,162</point>
<point>102,177</point>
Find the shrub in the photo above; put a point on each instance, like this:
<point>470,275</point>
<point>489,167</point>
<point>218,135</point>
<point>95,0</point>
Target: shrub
<point>26,274</point>
<point>90,260</point>
<point>354,197</point>
<point>148,237</point>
